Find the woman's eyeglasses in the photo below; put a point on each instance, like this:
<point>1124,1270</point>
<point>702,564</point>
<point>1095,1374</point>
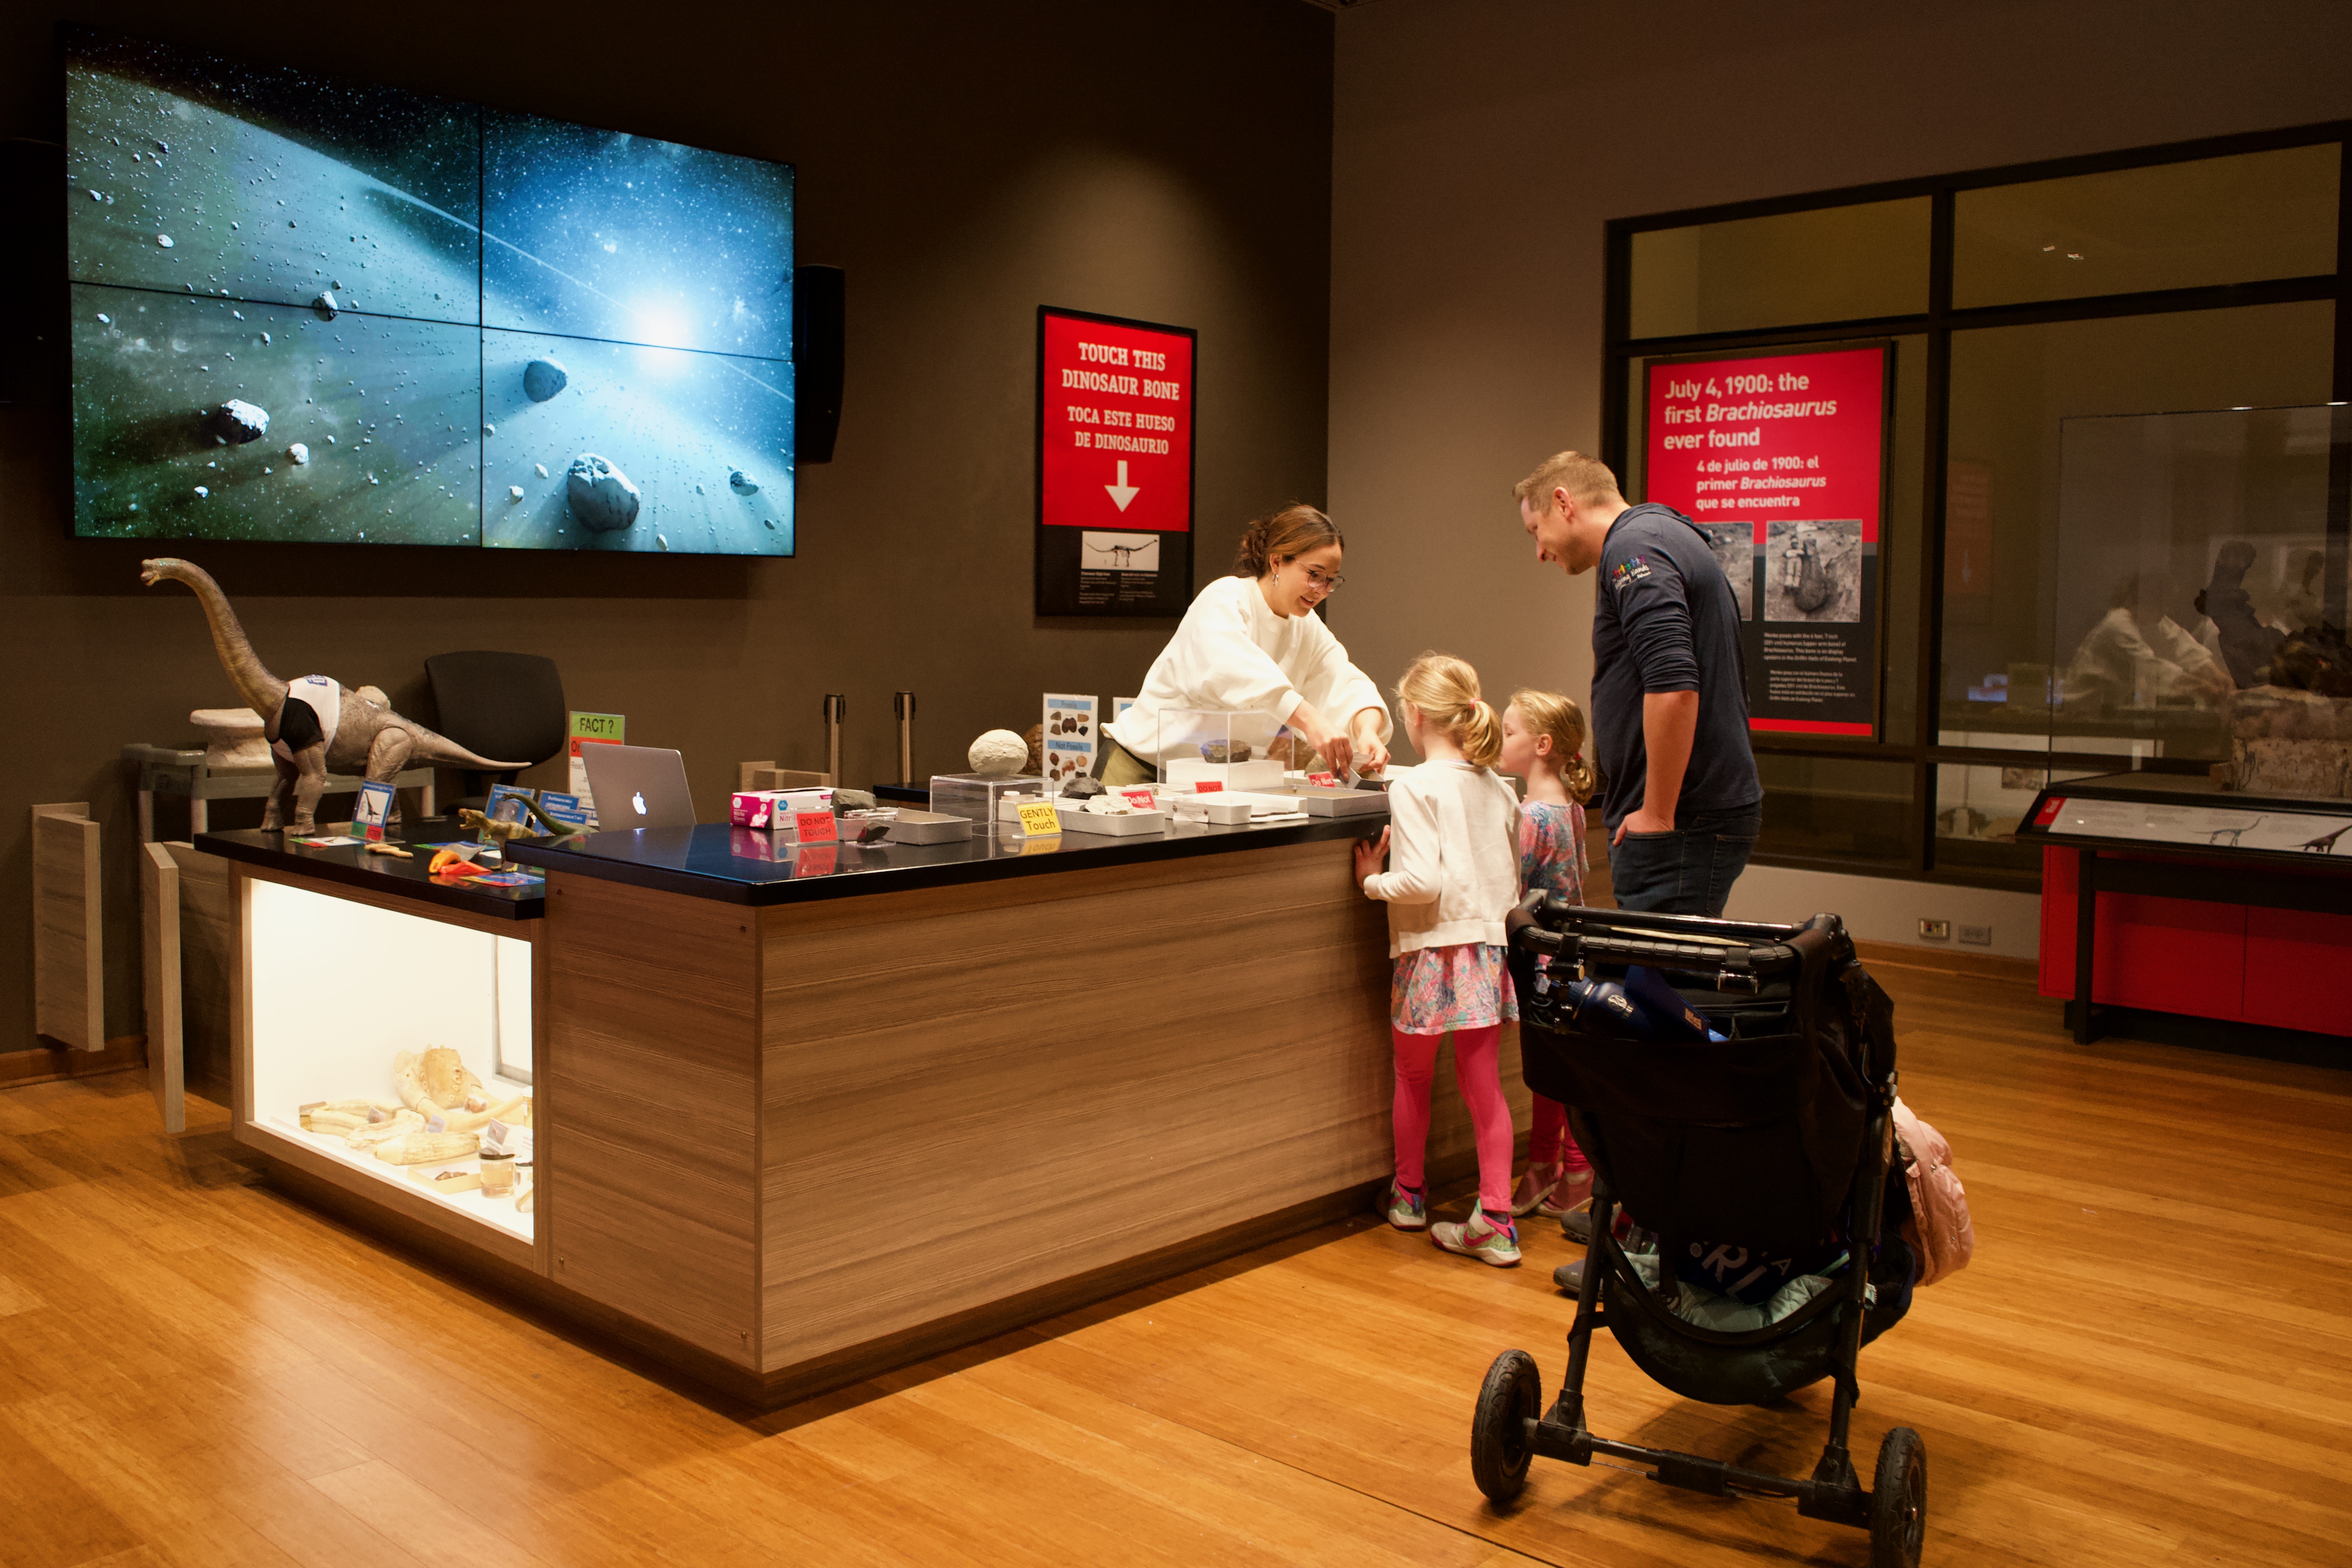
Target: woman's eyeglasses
<point>1323,582</point>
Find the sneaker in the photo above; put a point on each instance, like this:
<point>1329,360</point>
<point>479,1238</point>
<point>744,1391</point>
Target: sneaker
<point>1536,1185</point>
<point>1577,1224</point>
<point>1571,1194</point>
<point>1404,1208</point>
<point>1481,1238</point>
<point>1569,1275</point>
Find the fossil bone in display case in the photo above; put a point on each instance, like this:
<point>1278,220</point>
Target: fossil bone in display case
<point>394,1045</point>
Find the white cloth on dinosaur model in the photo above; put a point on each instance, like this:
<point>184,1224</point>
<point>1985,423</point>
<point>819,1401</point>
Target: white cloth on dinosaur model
<point>323,695</point>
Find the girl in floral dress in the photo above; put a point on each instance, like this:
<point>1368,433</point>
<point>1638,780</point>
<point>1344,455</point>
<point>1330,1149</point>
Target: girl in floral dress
<point>1454,829</point>
<point>1543,742</point>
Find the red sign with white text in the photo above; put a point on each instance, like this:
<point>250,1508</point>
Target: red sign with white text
<point>1114,466</point>
<point>1781,458</point>
<point>1118,428</point>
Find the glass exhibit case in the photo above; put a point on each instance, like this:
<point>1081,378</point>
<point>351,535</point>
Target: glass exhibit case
<point>396,1046</point>
<point>2191,615</point>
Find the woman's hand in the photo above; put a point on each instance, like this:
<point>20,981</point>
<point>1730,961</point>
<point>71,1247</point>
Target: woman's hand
<point>1370,855</point>
<point>1331,743</point>
<point>1370,755</point>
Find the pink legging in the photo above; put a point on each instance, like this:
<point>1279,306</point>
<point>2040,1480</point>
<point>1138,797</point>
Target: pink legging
<point>1549,1143</point>
<point>1481,1083</point>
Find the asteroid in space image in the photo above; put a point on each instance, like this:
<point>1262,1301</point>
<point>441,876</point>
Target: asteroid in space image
<point>425,306</point>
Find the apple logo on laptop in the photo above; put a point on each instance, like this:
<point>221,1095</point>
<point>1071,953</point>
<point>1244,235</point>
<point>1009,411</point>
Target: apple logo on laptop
<point>638,800</point>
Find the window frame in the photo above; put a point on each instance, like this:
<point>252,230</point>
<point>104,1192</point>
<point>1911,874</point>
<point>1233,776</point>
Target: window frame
<point>1937,324</point>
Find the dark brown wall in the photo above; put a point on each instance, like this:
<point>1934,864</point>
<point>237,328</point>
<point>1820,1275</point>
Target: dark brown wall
<point>965,164</point>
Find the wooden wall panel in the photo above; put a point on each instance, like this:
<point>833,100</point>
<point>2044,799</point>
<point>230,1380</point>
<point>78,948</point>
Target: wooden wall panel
<point>159,926</point>
<point>208,949</point>
<point>647,1125</point>
<point>67,941</point>
<point>973,1092</point>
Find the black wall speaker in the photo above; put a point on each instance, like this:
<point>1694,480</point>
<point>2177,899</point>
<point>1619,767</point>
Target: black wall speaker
<point>818,336</point>
<point>33,325</point>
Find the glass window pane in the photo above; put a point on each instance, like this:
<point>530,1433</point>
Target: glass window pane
<point>2176,225</point>
<point>1831,264</point>
<point>1978,808</point>
<point>2012,390</point>
<point>1835,809</point>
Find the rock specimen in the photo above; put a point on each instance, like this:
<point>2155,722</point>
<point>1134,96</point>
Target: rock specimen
<point>299,452</point>
<point>325,304</point>
<point>543,378</point>
<point>237,422</point>
<point>602,497</point>
<point>1224,751</point>
<point>742,484</point>
<point>514,493</point>
<point>998,754</point>
<point>1082,789</point>
<point>2314,770</point>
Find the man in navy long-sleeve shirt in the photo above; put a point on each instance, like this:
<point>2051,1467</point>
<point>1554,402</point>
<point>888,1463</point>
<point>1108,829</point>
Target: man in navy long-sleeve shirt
<point>1680,796</point>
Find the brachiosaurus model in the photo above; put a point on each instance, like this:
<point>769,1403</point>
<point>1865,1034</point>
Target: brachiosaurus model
<point>314,726</point>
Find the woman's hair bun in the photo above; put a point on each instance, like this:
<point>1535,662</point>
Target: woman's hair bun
<point>1278,536</point>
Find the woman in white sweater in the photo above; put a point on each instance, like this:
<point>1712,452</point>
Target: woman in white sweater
<point>1455,830</point>
<point>1251,643</point>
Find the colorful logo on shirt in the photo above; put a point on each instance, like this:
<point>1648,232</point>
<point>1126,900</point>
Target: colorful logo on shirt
<point>1628,572</point>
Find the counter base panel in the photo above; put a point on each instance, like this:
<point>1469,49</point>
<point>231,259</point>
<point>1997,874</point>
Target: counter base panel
<point>652,1073</point>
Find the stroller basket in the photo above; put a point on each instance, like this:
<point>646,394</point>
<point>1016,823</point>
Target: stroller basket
<point>1776,1130</point>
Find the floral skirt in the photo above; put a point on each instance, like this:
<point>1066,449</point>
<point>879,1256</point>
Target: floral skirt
<point>1433,990</point>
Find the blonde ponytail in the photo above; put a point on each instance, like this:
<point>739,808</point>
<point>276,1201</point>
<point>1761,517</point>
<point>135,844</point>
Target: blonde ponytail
<point>1445,689</point>
<point>1549,713</point>
<point>1481,736</point>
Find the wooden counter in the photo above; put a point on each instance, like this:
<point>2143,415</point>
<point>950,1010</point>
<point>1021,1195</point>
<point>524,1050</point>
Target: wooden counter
<point>787,1146</point>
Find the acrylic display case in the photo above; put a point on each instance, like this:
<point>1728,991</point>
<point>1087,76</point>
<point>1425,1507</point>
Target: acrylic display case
<point>341,995</point>
<point>1199,746</point>
<point>976,796</point>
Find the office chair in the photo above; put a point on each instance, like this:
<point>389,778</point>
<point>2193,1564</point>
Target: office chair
<point>497,705</point>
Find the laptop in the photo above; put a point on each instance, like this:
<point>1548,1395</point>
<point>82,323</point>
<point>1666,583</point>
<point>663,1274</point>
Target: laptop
<point>637,787</point>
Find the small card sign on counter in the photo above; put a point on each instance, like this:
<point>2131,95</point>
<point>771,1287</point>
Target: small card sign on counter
<point>1039,820</point>
<point>1070,739</point>
<point>1207,786</point>
<point>373,809</point>
<point>1324,781</point>
<point>815,828</point>
<point>1141,799</point>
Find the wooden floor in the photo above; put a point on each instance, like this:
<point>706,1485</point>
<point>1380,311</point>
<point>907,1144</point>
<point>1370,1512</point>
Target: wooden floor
<point>2150,1363</point>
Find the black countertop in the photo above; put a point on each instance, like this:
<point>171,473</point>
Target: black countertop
<point>747,865</point>
<point>352,866</point>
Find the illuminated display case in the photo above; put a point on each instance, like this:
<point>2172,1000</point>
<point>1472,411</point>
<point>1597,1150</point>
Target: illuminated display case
<point>386,1045</point>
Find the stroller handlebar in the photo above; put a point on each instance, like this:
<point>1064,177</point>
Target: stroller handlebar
<point>1548,925</point>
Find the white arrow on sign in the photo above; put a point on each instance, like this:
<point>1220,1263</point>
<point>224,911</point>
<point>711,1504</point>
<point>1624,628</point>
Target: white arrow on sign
<point>1122,492</point>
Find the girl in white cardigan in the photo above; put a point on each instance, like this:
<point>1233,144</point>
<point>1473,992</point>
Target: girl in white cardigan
<point>1454,828</point>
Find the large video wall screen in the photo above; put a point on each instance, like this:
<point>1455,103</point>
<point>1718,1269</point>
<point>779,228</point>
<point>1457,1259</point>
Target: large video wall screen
<point>309,309</point>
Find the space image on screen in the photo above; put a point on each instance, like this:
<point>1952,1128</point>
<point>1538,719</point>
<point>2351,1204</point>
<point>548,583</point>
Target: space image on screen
<point>312,310</point>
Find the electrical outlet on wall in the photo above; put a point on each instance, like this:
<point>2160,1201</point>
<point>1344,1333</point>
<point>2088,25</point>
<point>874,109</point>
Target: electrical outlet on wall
<point>1935,930</point>
<point>1978,936</point>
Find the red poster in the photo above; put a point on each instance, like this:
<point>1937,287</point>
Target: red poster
<point>1781,458</point>
<point>1114,466</point>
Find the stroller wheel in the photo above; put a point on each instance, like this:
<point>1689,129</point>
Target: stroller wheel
<point>1500,1444</point>
<point>1898,1500</point>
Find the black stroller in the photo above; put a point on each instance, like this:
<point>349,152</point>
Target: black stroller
<point>1779,1134</point>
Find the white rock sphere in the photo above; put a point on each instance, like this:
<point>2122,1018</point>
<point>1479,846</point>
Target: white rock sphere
<point>998,754</point>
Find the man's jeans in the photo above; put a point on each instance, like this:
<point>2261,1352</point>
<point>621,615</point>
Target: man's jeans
<point>1688,871</point>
